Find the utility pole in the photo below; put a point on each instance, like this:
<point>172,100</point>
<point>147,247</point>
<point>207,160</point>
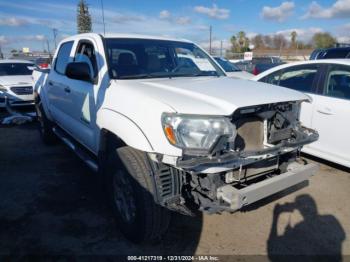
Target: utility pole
<point>221,48</point>
<point>54,31</point>
<point>48,48</point>
<point>103,18</point>
<point>281,44</point>
<point>210,29</point>
<point>1,54</point>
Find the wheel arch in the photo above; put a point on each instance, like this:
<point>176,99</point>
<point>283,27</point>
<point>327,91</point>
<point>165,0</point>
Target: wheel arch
<point>39,98</point>
<point>118,130</point>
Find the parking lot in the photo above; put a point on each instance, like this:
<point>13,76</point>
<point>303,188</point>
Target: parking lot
<point>51,204</point>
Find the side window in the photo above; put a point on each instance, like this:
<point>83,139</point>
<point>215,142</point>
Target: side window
<point>338,82</point>
<point>299,78</point>
<point>86,53</point>
<point>272,78</point>
<point>337,53</point>
<point>63,57</point>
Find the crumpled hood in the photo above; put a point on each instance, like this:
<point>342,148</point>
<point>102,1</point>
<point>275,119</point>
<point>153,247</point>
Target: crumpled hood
<point>16,80</point>
<point>209,95</point>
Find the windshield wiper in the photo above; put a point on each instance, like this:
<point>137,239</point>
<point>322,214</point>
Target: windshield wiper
<point>154,75</point>
<point>134,76</point>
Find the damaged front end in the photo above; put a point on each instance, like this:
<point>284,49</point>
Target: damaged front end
<point>260,160</point>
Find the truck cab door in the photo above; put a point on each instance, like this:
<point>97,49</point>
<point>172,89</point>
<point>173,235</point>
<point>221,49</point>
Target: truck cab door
<point>83,110</point>
<point>59,98</point>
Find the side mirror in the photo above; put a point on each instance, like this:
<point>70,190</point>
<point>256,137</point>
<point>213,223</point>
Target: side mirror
<point>79,71</point>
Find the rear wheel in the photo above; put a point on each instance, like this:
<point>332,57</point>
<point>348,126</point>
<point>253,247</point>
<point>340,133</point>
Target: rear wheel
<point>140,219</point>
<point>45,125</point>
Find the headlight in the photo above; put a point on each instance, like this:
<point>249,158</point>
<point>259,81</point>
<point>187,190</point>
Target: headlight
<point>196,132</point>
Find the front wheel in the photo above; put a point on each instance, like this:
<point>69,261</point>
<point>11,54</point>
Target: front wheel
<point>140,219</point>
<point>45,125</point>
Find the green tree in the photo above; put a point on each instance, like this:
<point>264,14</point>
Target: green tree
<point>241,38</point>
<point>234,44</point>
<point>83,18</point>
<point>243,41</point>
<point>323,40</point>
<point>293,39</point>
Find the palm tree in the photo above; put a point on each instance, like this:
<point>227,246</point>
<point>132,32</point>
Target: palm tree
<point>241,38</point>
<point>233,41</point>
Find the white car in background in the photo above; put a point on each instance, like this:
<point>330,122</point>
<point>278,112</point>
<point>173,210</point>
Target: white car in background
<point>231,69</point>
<point>327,82</point>
<point>16,82</point>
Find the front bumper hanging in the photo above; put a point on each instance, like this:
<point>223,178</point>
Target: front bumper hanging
<point>238,198</point>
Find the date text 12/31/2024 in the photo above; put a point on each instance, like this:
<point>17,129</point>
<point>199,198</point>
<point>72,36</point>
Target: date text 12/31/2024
<point>173,258</point>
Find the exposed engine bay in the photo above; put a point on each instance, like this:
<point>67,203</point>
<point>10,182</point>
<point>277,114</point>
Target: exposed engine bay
<point>268,141</point>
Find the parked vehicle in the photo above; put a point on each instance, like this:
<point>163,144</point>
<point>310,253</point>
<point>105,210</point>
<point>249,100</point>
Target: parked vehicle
<point>165,134</point>
<point>327,82</point>
<point>244,65</point>
<point>43,63</point>
<point>316,54</point>
<point>16,82</point>
<point>232,70</point>
<point>331,53</point>
<point>259,64</point>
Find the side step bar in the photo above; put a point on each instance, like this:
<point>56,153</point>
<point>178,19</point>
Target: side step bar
<point>76,148</point>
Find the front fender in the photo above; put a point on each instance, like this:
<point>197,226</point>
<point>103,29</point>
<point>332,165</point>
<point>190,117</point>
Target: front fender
<point>124,128</point>
<point>40,95</point>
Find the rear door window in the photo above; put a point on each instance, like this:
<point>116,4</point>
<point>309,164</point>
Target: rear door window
<point>338,82</point>
<point>63,57</point>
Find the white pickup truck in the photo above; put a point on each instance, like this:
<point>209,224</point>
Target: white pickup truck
<point>166,132</point>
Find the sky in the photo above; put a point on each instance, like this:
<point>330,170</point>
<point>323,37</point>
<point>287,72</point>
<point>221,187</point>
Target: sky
<point>30,23</point>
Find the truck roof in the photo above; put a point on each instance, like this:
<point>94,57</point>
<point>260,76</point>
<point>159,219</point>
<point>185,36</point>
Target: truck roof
<point>133,36</point>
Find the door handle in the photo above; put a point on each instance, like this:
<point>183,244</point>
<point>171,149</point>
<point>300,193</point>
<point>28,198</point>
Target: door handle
<point>67,89</point>
<point>50,83</point>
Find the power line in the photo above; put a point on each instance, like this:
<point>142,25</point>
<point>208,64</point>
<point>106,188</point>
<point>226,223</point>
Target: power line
<point>55,31</point>
<point>103,18</point>
<point>210,29</point>
<point>221,48</point>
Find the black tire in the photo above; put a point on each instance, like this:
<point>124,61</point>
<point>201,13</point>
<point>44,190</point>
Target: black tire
<point>45,125</point>
<point>139,218</point>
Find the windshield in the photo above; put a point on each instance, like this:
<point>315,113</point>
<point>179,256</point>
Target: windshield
<point>143,58</point>
<point>15,69</point>
<point>227,65</point>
